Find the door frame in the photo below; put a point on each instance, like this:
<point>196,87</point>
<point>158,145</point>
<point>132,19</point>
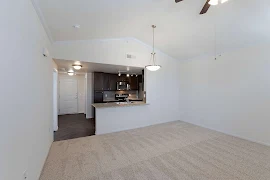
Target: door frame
<point>55,99</point>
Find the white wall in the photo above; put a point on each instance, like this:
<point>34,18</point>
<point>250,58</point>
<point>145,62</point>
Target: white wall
<point>231,94</point>
<point>81,93</point>
<point>26,97</point>
<point>163,87</point>
<point>55,96</point>
<point>89,96</point>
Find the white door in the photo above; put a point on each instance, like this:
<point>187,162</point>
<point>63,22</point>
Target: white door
<point>81,94</point>
<point>68,96</point>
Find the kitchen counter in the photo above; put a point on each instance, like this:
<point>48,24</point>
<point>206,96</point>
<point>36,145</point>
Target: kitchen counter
<point>116,104</point>
<point>114,100</point>
<point>135,99</point>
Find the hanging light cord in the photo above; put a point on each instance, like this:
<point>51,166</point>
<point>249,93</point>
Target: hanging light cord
<point>153,53</point>
<point>215,40</point>
<point>153,38</point>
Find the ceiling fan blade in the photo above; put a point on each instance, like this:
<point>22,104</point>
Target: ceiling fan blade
<point>177,1</point>
<point>205,7</point>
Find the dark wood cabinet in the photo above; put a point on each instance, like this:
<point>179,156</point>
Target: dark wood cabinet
<point>113,81</point>
<point>106,82</point>
<point>109,82</point>
<point>98,97</point>
<point>123,77</point>
<point>140,80</point>
<point>98,81</point>
<point>133,80</point>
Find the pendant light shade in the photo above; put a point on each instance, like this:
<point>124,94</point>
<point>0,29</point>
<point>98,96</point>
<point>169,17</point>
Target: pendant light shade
<point>153,66</point>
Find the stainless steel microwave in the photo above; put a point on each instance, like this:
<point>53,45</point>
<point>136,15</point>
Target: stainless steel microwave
<point>123,85</point>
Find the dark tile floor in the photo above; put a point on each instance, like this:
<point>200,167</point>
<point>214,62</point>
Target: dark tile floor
<point>74,126</point>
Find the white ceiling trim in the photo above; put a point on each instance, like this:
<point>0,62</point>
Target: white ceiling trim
<point>42,20</point>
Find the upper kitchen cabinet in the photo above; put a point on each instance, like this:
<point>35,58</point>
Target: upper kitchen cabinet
<point>109,82</point>
<point>140,78</point>
<point>123,77</point>
<point>106,82</point>
<point>98,81</point>
<point>134,83</point>
<point>113,81</point>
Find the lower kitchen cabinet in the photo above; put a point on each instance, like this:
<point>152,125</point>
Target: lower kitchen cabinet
<point>98,97</point>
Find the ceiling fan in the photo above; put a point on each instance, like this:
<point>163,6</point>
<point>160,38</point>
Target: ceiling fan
<point>207,4</point>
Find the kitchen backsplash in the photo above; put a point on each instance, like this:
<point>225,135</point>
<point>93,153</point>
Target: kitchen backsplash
<point>110,95</point>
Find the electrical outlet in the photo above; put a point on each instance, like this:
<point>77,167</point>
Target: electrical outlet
<point>25,175</point>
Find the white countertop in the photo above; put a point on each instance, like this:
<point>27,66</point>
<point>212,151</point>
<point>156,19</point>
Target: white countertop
<point>115,104</point>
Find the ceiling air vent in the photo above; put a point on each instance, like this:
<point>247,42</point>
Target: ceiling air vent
<point>130,56</point>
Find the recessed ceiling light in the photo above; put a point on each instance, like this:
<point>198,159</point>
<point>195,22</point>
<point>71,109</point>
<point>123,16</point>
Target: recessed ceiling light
<point>70,73</point>
<point>76,26</point>
<point>77,67</point>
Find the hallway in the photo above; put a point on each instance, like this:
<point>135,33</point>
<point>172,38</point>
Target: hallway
<point>74,126</point>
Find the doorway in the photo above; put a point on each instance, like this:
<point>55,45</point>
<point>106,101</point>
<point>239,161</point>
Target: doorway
<point>72,119</point>
<point>71,94</point>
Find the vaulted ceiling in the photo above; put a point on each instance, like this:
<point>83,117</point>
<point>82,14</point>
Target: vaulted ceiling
<point>181,32</point>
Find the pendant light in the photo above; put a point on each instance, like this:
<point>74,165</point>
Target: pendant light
<point>153,67</point>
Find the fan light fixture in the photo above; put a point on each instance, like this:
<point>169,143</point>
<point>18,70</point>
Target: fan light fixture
<point>216,2</point>
<point>153,67</point>
<point>77,67</point>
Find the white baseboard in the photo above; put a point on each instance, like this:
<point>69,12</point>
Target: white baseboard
<point>231,134</point>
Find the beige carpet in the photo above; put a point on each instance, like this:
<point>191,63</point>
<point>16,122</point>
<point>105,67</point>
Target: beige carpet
<point>175,150</point>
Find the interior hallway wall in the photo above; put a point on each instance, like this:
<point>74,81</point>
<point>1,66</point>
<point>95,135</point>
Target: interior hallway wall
<point>89,96</point>
<point>26,115</point>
